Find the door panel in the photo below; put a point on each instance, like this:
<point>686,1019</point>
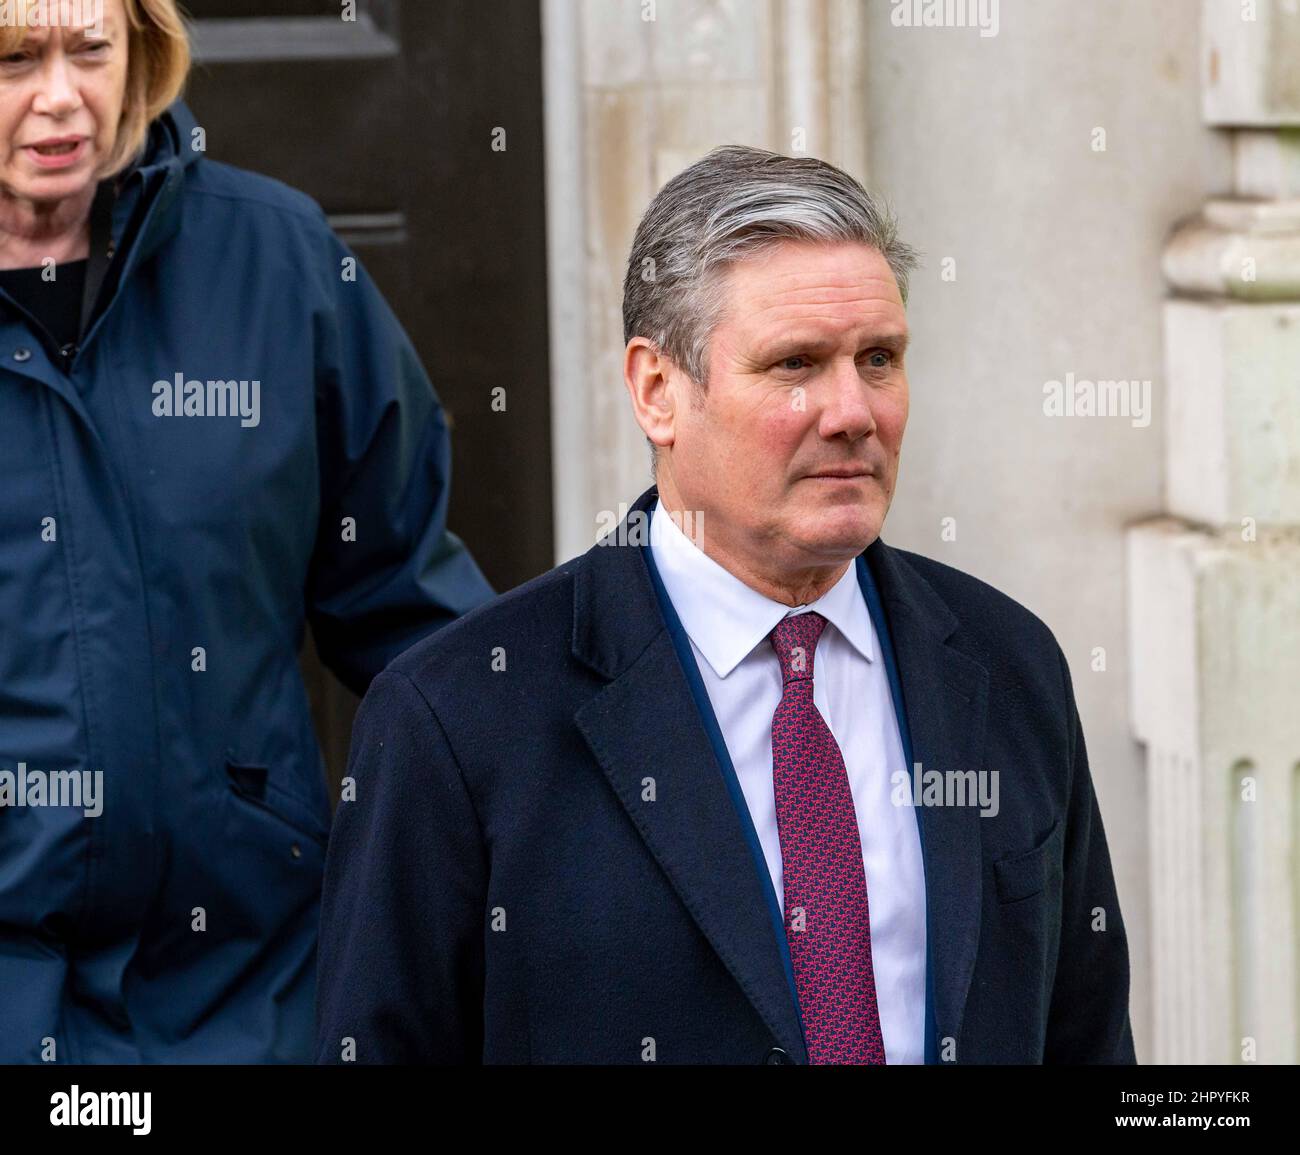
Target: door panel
<point>387,121</point>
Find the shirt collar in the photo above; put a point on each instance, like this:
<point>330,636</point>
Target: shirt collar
<point>725,618</point>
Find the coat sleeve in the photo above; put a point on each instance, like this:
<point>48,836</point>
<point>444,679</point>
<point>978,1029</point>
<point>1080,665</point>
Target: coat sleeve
<point>1088,1021</point>
<point>401,958</point>
<point>385,570</point>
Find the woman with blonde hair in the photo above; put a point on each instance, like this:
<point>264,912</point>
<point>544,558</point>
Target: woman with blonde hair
<point>213,431</point>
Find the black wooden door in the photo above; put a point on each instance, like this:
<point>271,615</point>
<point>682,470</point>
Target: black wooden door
<point>417,124</point>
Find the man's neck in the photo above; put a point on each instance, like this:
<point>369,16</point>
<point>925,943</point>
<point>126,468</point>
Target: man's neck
<point>799,587</point>
<point>32,232</point>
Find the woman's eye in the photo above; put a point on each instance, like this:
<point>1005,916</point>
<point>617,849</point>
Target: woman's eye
<point>14,58</point>
<point>94,47</point>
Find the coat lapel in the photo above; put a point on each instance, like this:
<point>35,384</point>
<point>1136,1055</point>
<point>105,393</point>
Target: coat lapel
<point>945,695</point>
<point>644,725</point>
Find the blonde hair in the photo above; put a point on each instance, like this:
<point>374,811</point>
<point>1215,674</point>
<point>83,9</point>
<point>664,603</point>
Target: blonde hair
<point>157,65</point>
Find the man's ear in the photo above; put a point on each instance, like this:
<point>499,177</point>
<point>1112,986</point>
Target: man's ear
<point>650,377</point>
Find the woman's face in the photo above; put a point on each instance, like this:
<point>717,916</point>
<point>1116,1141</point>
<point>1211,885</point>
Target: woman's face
<point>61,94</point>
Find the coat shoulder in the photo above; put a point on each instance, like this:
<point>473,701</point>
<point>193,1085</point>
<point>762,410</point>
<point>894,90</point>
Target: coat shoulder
<point>255,192</point>
<point>993,626</point>
<point>537,614</point>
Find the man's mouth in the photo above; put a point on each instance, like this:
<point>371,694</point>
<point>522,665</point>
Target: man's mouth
<point>842,474</point>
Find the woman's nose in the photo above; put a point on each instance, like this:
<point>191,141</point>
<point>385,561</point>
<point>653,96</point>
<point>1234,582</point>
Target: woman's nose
<point>57,94</point>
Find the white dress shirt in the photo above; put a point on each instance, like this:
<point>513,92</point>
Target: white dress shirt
<point>728,624</point>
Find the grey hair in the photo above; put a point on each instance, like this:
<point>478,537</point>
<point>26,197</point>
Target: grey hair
<point>731,205</point>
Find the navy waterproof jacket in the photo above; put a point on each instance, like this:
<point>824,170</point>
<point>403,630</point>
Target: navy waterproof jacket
<point>166,529</point>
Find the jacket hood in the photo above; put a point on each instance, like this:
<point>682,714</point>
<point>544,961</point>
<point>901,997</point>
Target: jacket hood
<point>149,191</point>
<point>169,139</point>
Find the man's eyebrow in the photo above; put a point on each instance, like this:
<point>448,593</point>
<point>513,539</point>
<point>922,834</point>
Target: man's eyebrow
<point>895,342</point>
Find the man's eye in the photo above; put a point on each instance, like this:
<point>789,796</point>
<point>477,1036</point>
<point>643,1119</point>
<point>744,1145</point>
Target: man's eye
<point>792,364</point>
<point>880,359</point>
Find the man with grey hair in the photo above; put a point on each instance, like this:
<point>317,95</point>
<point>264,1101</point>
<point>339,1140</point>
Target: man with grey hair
<point>741,783</point>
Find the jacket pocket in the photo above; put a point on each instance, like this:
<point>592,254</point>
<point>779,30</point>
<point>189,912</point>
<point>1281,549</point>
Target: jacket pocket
<point>252,783</point>
<point>1025,874</point>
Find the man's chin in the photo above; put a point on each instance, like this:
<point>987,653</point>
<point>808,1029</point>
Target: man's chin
<point>837,534</point>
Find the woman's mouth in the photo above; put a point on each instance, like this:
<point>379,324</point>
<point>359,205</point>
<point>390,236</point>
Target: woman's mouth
<point>57,153</point>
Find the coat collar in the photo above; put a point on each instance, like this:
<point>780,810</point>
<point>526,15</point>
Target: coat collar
<point>155,180</point>
<point>725,618</point>
<point>645,730</point>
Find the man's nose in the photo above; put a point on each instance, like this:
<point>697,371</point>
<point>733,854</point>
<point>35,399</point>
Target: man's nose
<point>846,407</point>
<point>58,93</point>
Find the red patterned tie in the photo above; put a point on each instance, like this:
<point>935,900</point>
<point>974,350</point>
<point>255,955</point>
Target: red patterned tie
<point>826,915</point>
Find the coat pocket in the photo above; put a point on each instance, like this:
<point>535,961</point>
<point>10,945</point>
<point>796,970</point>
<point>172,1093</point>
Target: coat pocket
<point>1025,874</point>
<point>252,783</point>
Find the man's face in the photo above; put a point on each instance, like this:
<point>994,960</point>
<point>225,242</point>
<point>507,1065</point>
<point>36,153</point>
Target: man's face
<point>792,452</point>
<point>61,96</point>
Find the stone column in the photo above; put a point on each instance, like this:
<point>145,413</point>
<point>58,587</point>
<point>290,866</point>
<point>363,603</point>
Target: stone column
<point>1214,586</point>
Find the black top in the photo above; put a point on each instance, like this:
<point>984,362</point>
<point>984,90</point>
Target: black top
<point>55,304</point>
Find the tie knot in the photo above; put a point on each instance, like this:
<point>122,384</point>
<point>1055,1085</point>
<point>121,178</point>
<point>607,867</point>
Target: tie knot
<point>795,641</point>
